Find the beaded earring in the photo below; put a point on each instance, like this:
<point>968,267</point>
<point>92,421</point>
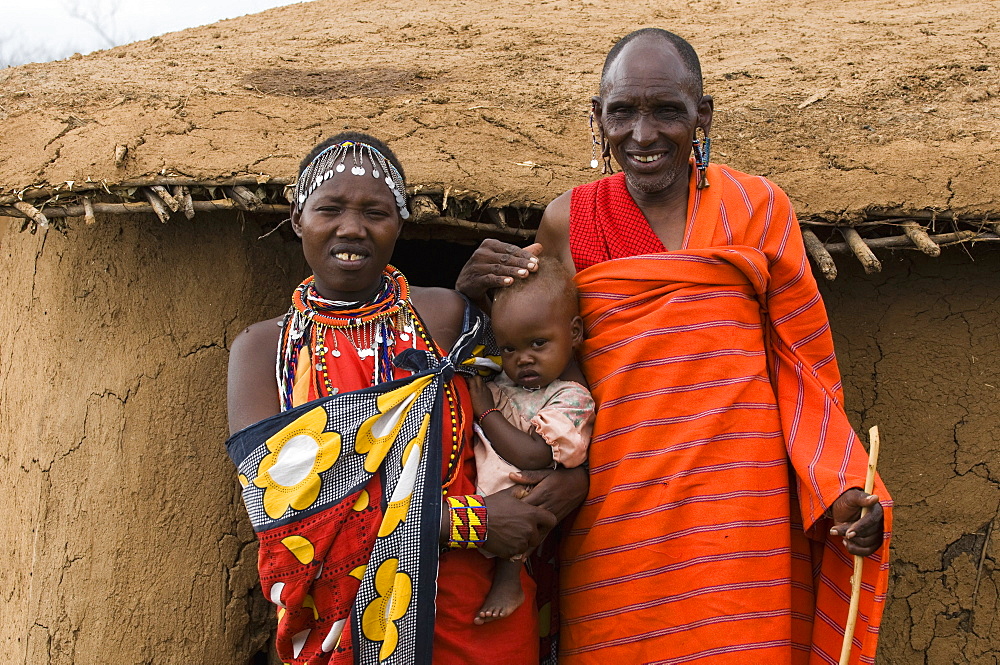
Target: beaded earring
<point>607,169</point>
<point>597,138</point>
<point>702,153</point>
<point>594,142</point>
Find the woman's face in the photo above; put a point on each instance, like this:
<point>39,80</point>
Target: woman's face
<point>348,228</point>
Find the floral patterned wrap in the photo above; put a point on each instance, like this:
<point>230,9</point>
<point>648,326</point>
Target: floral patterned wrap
<point>344,493</point>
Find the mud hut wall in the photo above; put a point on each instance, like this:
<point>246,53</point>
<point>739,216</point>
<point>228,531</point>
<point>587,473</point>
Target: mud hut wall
<point>128,536</point>
<point>919,350</point>
<point>128,540</point>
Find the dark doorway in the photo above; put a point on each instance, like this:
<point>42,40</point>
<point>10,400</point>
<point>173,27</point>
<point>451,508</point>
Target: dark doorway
<point>431,262</point>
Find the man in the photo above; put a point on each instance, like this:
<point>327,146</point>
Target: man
<point>722,458</point>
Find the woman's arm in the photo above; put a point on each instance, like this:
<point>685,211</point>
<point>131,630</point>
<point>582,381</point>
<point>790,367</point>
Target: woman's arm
<point>252,386</point>
<point>513,526</point>
<point>442,311</point>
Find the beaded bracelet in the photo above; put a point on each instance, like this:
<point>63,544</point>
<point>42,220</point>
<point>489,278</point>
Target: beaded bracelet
<point>484,414</point>
<point>468,521</point>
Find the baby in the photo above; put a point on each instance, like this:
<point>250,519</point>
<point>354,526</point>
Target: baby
<point>527,418</point>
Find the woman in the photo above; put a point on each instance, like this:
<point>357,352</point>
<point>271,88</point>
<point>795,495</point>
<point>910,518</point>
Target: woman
<point>342,509</point>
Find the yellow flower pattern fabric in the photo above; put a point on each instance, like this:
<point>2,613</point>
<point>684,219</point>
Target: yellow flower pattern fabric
<point>399,503</point>
<point>289,475</point>
<point>484,363</point>
<point>345,494</point>
<point>380,436</point>
<point>378,623</point>
<point>377,434</point>
<point>301,548</point>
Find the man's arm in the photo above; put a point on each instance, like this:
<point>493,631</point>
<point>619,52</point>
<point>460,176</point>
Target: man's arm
<point>496,264</point>
<point>805,371</point>
<point>553,231</point>
<point>862,535</point>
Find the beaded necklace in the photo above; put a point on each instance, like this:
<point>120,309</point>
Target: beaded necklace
<point>372,328</point>
<point>378,328</point>
<point>456,420</point>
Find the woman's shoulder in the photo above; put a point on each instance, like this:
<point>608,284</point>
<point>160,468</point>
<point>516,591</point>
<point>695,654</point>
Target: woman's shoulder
<point>253,389</point>
<point>448,302</point>
<point>257,337</point>
<point>442,311</point>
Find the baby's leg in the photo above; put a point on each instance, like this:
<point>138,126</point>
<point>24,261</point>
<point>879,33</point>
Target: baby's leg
<point>506,594</point>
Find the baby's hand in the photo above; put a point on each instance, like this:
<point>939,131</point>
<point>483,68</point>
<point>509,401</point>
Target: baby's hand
<point>482,398</point>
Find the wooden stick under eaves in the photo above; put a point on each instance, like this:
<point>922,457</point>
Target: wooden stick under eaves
<point>861,250</point>
<point>852,613</point>
<point>819,254</point>
<point>32,213</point>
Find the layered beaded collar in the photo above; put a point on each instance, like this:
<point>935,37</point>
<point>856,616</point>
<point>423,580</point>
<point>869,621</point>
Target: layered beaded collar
<point>372,329</point>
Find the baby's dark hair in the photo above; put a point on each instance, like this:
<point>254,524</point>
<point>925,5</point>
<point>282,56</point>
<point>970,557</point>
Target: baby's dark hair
<point>357,137</point>
<point>552,277</point>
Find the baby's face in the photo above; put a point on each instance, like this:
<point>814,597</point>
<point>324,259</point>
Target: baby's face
<point>536,340</point>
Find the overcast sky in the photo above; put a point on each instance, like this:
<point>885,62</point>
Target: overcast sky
<point>39,30</point>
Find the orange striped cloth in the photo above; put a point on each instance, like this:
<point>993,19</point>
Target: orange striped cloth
<point>719,444</point>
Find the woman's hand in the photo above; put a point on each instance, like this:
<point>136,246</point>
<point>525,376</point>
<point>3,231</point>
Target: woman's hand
<point>862,535</point>
<point>558,491</point>
<point>493,265</point>
<point>482,398</point>
<point>514,526</point>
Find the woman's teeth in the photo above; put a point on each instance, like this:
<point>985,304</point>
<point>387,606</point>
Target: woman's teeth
<point>646,159</point>
<point>347,256</point>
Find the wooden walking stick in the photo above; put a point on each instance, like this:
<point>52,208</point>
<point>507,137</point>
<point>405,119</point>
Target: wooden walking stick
<point>852,613</point>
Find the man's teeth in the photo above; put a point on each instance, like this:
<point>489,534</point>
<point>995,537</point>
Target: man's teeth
<point>347,256</point>
<point>646,159</point>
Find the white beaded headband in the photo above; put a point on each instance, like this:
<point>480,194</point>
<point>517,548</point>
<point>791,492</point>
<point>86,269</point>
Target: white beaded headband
<point>331,161</point>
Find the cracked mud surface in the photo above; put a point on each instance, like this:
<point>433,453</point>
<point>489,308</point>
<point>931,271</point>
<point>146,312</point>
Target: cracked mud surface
<point>918,349</point>
<point>900,101</point>
<point>127,540</point>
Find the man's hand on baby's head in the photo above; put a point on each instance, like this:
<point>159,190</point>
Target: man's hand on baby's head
<point>495,264</point>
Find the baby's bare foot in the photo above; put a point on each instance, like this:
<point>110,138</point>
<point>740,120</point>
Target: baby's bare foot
<point>504,597</point>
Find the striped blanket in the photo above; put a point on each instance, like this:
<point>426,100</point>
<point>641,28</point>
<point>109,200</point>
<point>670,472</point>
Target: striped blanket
<point>719,445</point>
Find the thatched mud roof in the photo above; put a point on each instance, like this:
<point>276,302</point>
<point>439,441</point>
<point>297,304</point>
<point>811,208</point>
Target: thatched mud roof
<point>863,111</point>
